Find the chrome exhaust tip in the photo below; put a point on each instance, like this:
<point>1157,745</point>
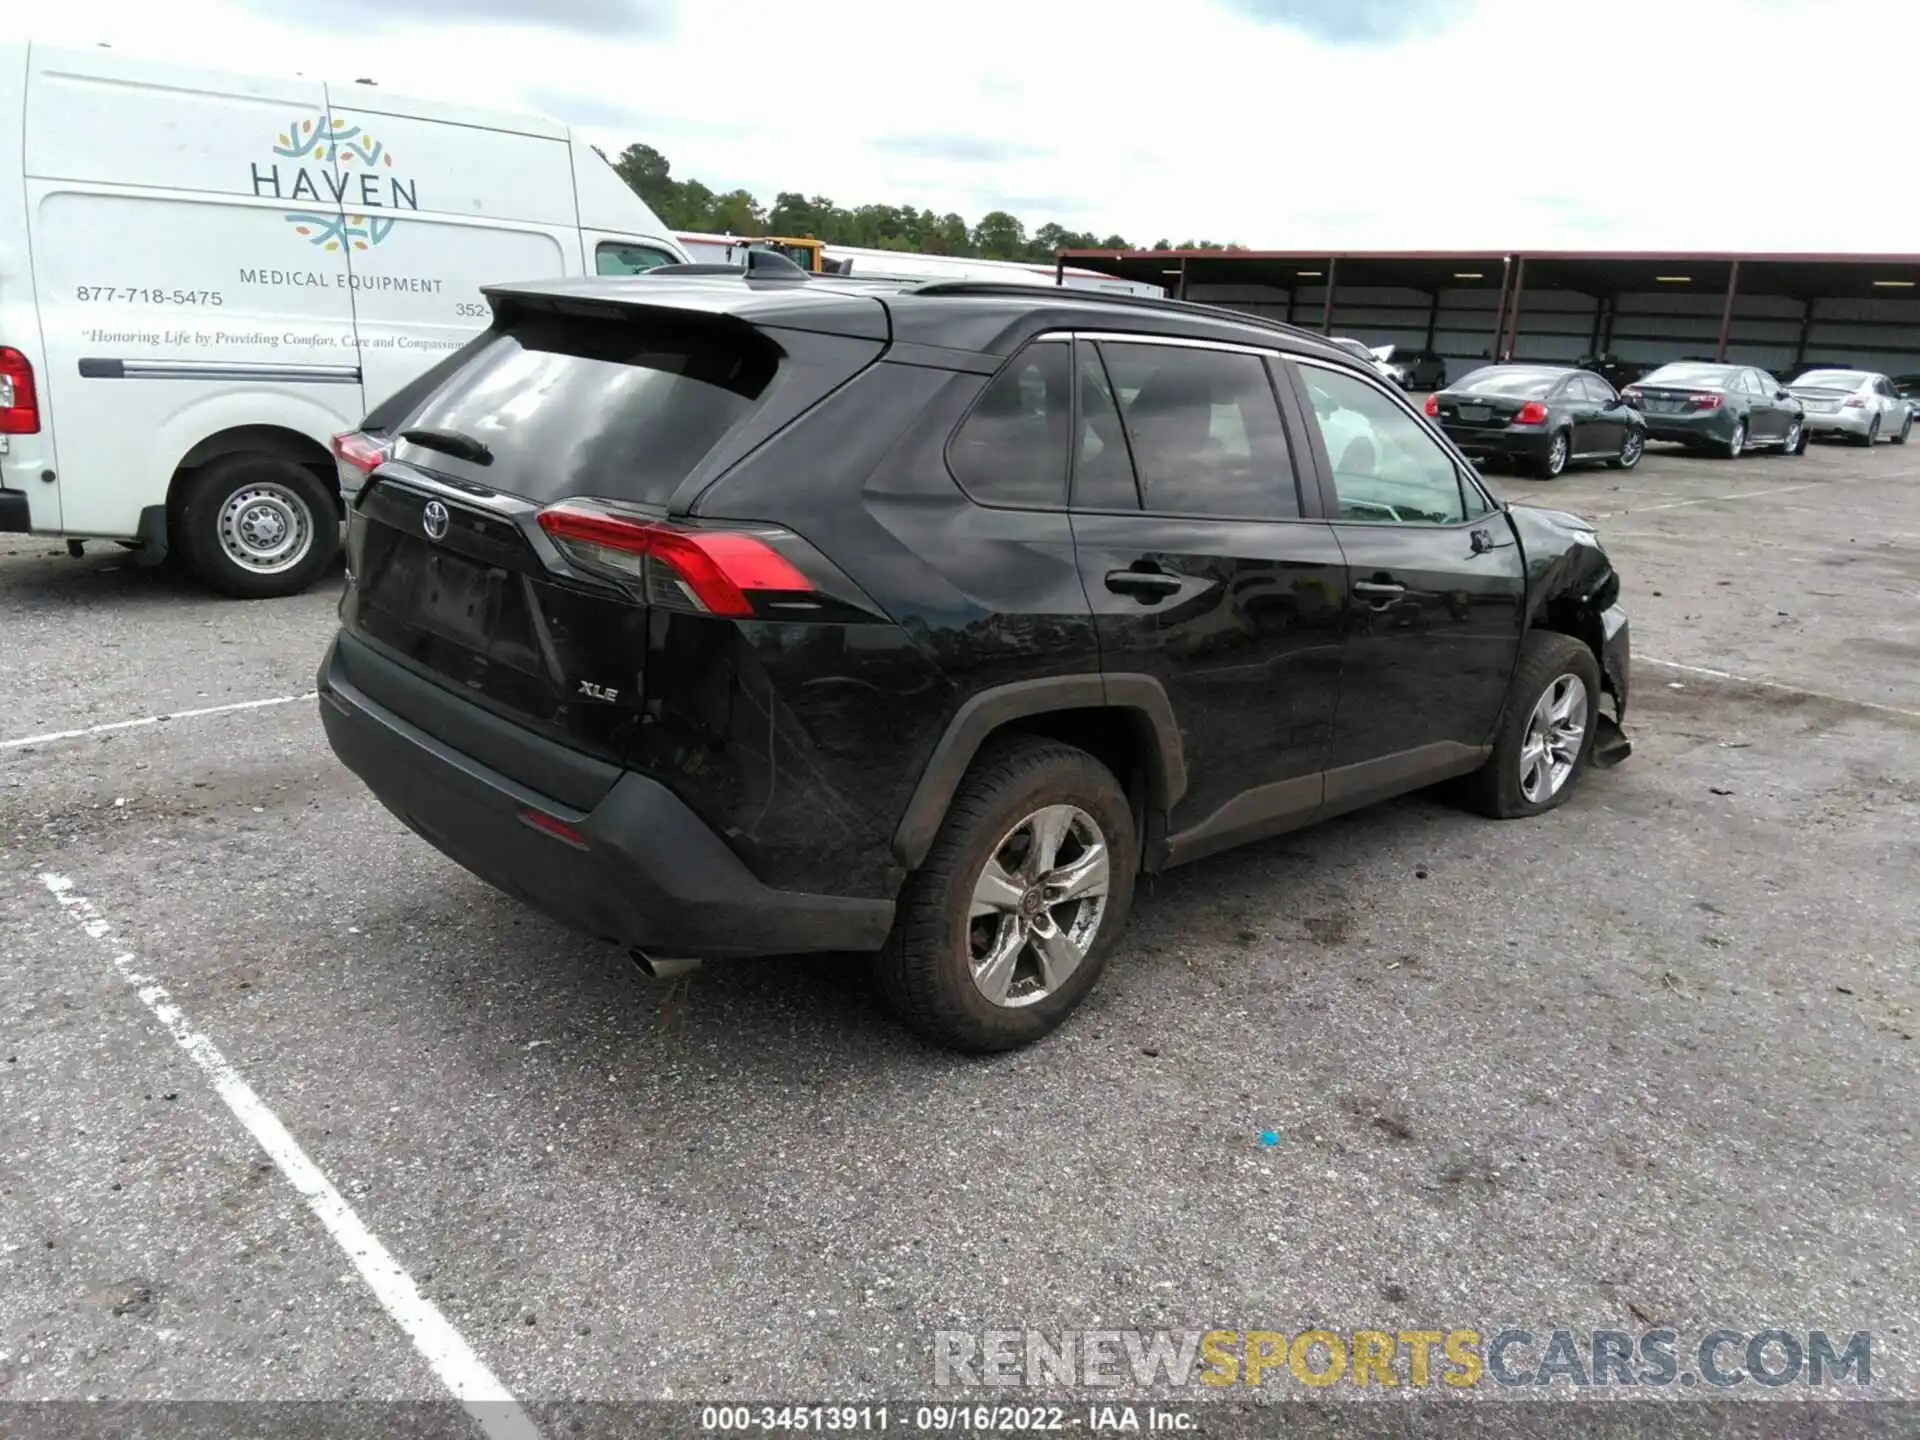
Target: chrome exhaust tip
<point>660,967</point>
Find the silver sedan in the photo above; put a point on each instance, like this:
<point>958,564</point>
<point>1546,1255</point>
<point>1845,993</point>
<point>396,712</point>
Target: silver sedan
<point>1858,404</point>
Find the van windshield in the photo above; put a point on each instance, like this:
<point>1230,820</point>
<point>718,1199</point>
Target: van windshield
<point>621,408</point>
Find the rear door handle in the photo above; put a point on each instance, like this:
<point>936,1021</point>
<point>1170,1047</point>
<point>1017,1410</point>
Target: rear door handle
<point>1143,585</point>
<point>1371,587</point>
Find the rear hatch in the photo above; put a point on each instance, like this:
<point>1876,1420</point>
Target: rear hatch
<point>520,539</point>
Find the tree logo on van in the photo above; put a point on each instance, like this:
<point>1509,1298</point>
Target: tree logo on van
<point>331,159</point>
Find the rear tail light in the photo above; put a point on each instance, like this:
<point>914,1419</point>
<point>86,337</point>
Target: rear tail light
<point>1632,397</point>
<point>1433,405</point>
<point>1533,412</point>
<point>1856,403</point>
<point>1706,402</point>
<point>715,572</point>
<point>356,456</point>
<point>19,402</point>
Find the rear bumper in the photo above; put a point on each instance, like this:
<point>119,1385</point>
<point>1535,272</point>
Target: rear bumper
<point>1838,422</point>
<point>649,874</point>
<point>1506,444</point>
<point>1704,427</point>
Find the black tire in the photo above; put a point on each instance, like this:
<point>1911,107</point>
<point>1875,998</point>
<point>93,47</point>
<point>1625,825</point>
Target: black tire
<point>1906,429</point>
<point>926,970</point>
<point>1496,788</point>
<point>1872,437</point>
<point>289,494</point>
<point>1634,452</point>
<point>1736,447</point>
<point>1559,456</point>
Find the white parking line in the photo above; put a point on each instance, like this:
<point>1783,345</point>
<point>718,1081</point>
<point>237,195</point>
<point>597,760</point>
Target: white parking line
<point>1732,678</point>
<point>53,735</point>
<point>1717,499</point>
<point>446,1352</point>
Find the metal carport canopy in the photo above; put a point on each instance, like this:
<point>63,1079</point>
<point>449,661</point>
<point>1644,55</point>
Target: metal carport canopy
<point>1602,274</point>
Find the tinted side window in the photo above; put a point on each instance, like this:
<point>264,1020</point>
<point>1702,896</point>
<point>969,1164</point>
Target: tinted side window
<point>1385,466</point>
<point>612,257</point>
<point>1012,448</point>
<point>1102,467</point>
<point>1205,430</point>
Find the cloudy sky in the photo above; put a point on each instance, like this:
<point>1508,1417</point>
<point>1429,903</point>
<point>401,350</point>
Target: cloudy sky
<point>1644,124</point>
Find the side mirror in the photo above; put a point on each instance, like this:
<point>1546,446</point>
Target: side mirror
<point>1614,403</point>
<point>1783,394</point>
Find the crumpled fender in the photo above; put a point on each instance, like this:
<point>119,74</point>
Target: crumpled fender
<point>1572,587</point>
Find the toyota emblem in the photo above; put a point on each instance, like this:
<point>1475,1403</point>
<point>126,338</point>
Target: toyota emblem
<point>434,520</point>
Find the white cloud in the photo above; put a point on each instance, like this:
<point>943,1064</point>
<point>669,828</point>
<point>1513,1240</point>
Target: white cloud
<point>1641,124</point>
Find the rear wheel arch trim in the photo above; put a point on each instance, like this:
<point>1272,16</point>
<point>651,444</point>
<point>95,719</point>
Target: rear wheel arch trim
<point>992,710</point>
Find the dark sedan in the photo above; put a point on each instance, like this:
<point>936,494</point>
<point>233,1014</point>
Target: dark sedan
<point>1726,408</point>
<point>1543,416</point>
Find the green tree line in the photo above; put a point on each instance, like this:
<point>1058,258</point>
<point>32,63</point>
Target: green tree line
<point>997,235</point>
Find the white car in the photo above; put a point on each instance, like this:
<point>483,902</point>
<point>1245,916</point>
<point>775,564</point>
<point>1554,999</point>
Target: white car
<point>205,277</point>
<point>1857,404</point>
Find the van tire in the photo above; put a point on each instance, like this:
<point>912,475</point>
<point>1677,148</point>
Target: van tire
<point>241,509</point>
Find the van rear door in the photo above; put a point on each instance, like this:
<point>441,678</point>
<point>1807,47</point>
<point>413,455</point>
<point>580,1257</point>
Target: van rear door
<point>191,273</point>
<point>440,200</point>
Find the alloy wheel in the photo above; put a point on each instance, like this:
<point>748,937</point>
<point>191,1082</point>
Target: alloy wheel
<point>1739,441</point>
<point>1556,731</point>
<point>1630,452</point>
<point>1557,455</point>
<point>1792,446</point>
<point>1037,905</point>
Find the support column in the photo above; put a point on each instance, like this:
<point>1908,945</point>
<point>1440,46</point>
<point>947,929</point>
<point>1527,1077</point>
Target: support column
<point>1806,334</point>
<point>1513,311</point>
<point>1500,311</point>
<point>1293,293</point>
<point>1326,312</point>
<point>1059,270</point>
<point>1181,292</point>
<point>1726,312</point>
<point>1599,319</point>
<point>1606,331</point>
<point>1433,319</point>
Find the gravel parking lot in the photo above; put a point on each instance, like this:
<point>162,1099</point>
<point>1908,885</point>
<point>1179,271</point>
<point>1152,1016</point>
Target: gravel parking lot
<point>1648,1060</point>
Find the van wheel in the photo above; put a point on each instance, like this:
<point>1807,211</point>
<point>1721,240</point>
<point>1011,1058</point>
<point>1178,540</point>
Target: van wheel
<point>258,525</point>
<point>1006,926</point>
<point>1546,731</point>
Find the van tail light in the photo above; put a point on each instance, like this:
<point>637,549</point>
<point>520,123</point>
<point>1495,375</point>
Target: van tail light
<point>357,455</point>
<point>1706,401</point>
<point>19,401</point>
<point>1533,412</point>
<point>713,572</point>
<point>1433,405</point>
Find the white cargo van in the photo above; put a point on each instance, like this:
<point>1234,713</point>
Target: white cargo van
<point>205,277</point>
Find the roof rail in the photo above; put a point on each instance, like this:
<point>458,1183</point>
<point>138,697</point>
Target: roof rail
<point>1108,297</point>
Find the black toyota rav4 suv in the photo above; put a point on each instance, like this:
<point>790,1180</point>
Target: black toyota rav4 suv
<point>719,616</point>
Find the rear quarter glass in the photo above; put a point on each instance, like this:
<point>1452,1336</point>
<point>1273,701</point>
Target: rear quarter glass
<point>624,409</point>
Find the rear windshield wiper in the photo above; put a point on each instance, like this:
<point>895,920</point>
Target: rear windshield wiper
<point>450,442</point>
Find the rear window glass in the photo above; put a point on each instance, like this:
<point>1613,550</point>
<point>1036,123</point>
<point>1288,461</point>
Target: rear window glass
<point>1509,382</point>
<point>1832,379</point>
<point>625,409</point>
<point>1689,375</point>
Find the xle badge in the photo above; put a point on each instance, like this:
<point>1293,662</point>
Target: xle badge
<point>597,692</point>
